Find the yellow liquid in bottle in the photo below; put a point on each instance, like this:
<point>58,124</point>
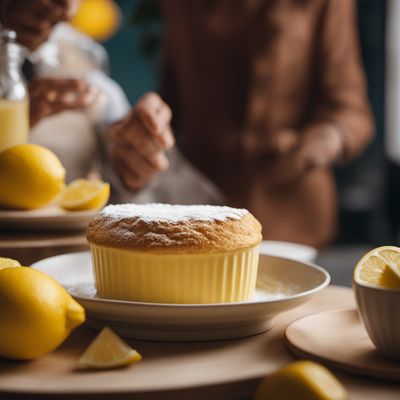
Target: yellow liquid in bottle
<point>14,123</point>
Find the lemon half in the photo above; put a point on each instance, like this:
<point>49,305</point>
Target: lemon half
<point>30,176</point>
<point>83,194</point>
<point>108,351</point>
<point>380,267</point>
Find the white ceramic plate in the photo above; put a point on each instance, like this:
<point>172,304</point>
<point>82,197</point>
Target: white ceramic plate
<point>282,284</point>
<point>50,218</point>
<point>295,251</point>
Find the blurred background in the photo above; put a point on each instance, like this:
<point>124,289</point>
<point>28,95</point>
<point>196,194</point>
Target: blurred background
<point>367,187</point>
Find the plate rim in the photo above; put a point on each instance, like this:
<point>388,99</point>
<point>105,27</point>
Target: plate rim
<point>12,215</point>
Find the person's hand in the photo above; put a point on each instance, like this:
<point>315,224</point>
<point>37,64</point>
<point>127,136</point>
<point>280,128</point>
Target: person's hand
<point>320,146</point>
<point>139,141</point>
<point>34,20</point>
<point>51,96</point>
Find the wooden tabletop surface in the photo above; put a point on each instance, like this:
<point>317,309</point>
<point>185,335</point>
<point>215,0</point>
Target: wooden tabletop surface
<point>214,370</point>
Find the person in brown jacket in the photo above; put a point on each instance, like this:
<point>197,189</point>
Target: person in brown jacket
<point>267,96</point>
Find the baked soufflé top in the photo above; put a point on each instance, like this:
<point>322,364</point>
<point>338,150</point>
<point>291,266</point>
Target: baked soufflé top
<point>166,228</point>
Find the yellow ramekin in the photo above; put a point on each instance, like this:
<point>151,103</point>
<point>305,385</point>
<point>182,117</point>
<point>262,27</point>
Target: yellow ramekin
<point>166,278</point>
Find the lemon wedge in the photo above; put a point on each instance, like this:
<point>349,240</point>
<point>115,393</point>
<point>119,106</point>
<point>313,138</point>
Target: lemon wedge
<point>301,380</point>
<point>108,351</point>
<point>83,194</point>
<point>8,262</point>
<point>379,267</point>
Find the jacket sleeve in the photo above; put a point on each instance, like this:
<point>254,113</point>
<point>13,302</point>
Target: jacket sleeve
<point>341,98</point>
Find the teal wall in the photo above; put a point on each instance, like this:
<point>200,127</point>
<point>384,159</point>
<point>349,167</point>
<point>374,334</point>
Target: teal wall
<point>129,67</point>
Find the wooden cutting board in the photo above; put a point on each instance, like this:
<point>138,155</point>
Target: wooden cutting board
<point>338,338</point>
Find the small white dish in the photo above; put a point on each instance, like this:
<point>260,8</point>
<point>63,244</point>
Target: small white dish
<point>49,218</point>
<point>282,284</point>
<point>295,251</point>
<point>379,309</point>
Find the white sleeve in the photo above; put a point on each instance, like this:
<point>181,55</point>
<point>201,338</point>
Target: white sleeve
<point>115,104</point>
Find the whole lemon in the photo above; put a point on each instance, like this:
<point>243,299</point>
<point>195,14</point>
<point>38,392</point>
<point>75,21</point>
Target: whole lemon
<point>301,380</point>
<point>99,19</point>
<point>30,176</point>
<point>37,313</point>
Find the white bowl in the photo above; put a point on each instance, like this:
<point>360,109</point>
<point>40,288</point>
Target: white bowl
<point>294,251</point>
<point>380,311</point>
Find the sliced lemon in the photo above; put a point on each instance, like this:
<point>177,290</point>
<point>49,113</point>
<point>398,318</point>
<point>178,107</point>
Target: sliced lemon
<point>83,194</point>
<point>8,262</point>
<point>301,380</point>
<point>108,351</point>
<point>379,267</point>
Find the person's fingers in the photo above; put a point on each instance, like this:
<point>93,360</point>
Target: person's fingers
<point>30,23</point>
<point>77,100</point>
<point>137,163</point>
<point>154,113</point>
<point>156,117</point>
<point>129,179</point>
<point>157,126</point>
<point>54,103</point>
<point>64,93</point>
<point>68,8</point>
<point>53,10</point>
<point>132,178</point>
<point>168,137</point>
<point>133,133</point>
<point>48,85</point>
<point>33,21</point>
<point>138,137</point>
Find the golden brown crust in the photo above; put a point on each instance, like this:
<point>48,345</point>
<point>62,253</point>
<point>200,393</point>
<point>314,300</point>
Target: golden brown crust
<point>135,232</point>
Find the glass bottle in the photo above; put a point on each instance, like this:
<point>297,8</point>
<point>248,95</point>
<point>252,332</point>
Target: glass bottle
<point>14,102</point>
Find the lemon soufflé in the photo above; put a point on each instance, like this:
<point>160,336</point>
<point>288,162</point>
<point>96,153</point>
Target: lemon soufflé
<point>175,254</point>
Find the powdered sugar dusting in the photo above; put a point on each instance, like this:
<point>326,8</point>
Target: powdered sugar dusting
<point>173,213</point>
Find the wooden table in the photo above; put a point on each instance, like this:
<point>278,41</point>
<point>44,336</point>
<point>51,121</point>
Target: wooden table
<point>28,248</point>
<point>214,370</point>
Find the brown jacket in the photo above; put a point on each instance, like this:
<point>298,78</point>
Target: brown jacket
<point>237,72</point>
